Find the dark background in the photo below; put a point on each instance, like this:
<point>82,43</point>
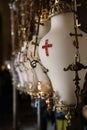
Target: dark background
<point>5,39</point>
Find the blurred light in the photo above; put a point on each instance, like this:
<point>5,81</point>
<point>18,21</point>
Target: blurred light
<point>39,85</point>
<point>2,67</point>
<point>8,66</point>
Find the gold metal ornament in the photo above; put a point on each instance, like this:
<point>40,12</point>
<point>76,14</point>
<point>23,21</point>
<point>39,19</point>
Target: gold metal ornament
<point>59,7</point>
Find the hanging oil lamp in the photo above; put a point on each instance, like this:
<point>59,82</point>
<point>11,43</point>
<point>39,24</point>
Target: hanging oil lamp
<point>56,50</point>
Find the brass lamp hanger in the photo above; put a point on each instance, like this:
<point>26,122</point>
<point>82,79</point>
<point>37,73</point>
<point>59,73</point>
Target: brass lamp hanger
<point>76,66</point>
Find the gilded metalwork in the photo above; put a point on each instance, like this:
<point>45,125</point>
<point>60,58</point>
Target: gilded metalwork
<point>60,6</point>
<point>44,15</point>
<point>77,65</point>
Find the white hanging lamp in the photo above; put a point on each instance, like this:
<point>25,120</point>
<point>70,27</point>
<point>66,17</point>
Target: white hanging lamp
<point>56,51</point>
<point>44,85</point>
<point>29,74</point>
<point>19,72</point>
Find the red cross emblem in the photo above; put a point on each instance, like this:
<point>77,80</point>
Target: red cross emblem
<point>46,46</point>
<point>25,56</point>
